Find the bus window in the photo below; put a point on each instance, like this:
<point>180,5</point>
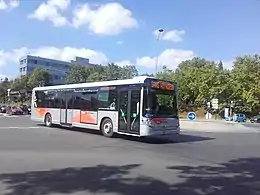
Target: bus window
<point>46,99</point>
<point>85,101</point>
<point>107,98</point>
<point>160,103</point>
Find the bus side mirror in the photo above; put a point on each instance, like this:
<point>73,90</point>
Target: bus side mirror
<point>137,107</point>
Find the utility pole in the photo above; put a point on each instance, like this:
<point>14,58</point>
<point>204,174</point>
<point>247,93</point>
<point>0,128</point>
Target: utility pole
<point>160,32</point>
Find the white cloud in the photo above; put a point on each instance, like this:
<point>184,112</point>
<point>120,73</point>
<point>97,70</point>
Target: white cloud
<point>169,57</point>
<point>8,4</point>
<point>123,63</point>
<point>172,35</point>
<point>52,10</point>
<point>119,42</point>
<point>66,54</point>
<point>107,19</point>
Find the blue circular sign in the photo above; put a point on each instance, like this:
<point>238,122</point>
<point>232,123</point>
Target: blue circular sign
<point>191,116</point>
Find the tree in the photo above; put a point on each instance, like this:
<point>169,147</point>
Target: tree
<point>199,79</point>
<point>4,85</point>
<point>20,83</point>
<point>81,74</point>
<point>220,65</point>
<point>39,77</point>
<point>245,78</point>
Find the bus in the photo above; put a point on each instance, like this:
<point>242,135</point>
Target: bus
<point>142,106</point>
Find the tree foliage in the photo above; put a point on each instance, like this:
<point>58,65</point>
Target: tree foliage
<point>81,74</point>
<point>198,80</point>
<point>23,84</point>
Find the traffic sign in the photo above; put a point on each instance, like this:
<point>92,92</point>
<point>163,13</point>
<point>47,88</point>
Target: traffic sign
<point>215,103</point>
<point>191,116</point>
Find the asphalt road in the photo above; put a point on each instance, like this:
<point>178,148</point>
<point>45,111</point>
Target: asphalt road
<point>35,160</point>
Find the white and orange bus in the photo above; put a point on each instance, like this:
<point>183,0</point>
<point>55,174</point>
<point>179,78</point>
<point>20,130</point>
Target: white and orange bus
<point>142,106</point>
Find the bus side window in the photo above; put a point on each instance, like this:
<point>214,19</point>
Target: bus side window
<point>107,99</point>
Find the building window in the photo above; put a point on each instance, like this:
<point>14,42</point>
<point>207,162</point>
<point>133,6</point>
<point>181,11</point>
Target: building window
<point>86,100</point>
<point>30,69</point>
<point>23,61</point>
<point>21,69</point>
<point>35,61</point>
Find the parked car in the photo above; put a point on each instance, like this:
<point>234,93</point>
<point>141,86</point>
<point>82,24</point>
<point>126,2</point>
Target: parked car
<point>29,109</point>
<point>255,119</point>
<point>3,109</point>
<point>26,109</point>
<point>16,110</point>
<point>239,117</point>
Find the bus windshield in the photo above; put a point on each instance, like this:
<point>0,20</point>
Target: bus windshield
<point>160,103</point>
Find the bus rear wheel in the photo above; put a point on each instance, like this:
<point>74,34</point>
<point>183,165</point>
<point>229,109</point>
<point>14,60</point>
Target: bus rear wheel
<point>48,120</point>
<point>107,128</point>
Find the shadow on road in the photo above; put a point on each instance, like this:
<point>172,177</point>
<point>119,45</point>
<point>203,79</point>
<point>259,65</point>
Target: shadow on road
<point>238,177</point>
<point>183,138</point>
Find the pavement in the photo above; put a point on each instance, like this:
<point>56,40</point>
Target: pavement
<point>36,160</point>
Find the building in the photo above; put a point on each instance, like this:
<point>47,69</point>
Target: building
<point>57,69</point>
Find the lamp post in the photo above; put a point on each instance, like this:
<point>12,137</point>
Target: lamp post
<point>160,32</point>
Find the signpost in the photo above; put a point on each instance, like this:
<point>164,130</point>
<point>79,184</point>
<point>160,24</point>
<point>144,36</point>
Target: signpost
<point>192,116</point>
<point>215,104</point>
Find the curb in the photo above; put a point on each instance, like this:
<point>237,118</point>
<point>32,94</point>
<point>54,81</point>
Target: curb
<point>218,131</point>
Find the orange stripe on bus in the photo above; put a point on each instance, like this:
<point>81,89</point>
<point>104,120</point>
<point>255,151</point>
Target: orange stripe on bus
<point>41,111</point>
<point>84,117</point>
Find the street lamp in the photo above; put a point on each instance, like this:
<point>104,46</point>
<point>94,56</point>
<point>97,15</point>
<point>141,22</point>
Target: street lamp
<point>160,32</point>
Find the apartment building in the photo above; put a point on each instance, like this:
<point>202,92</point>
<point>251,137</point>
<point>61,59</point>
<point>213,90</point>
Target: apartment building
<point>57,69</point>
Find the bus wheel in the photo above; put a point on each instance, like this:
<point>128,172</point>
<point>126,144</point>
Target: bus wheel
<point>48,120</point>
<point>107,128</point>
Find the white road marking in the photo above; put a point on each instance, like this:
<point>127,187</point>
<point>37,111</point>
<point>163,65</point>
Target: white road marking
<point>20,127</point>
<point>14,116</point>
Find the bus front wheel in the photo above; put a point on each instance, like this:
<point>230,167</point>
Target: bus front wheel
<point>48,120</point>
<point>107,128</point>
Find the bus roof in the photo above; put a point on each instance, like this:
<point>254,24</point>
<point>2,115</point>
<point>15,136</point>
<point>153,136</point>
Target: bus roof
<point>135,80</point>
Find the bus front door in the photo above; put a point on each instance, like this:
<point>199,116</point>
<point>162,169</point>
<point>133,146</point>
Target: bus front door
<point>66,112</point>
<point>129,109</point>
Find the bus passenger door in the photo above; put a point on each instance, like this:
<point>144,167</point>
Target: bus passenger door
<point>66,111</point>
<point>129,111</point>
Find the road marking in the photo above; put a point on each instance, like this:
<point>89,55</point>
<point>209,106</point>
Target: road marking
<point>14,116</point>
<point>20,127</point>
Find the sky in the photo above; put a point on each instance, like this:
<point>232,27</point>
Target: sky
<point>126,31</point>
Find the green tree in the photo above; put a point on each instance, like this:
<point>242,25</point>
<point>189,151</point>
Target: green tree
<point>245,77</point>
<point>4,85</point>
<point>129,72</point>
<point>81,74</point>
<point>21,83</point>
<point>39,77</point>
<point>78,74</point>
<point>166,74</point>
<point>200,79</point>
<point>220,65</point>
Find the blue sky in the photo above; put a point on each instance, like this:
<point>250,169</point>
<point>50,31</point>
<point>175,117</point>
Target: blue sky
<point>123,31</point>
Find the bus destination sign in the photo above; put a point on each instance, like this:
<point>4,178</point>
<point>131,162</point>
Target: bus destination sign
<point>162,85</point>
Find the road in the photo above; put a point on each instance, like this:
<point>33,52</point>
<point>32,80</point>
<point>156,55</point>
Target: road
<point>35,160</point>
